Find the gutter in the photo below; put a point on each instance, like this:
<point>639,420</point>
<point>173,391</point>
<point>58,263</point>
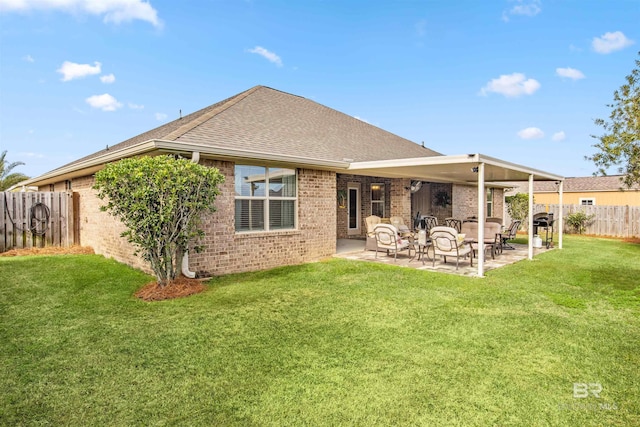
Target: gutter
<point>180,147</point>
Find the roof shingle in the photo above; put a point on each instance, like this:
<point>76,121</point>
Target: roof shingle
<point>266,120</point>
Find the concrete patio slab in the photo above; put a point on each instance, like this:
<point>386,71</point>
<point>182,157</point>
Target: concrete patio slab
<point>354,249</point>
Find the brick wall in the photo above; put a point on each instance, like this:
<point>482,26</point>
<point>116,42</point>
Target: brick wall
<point>100,230</point>
<point>397,201</point>
<point>228,252</point>
<point>224,250</point>
<point>465,202</point>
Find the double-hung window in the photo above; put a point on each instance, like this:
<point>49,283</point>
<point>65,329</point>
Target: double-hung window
<point>266,198</point>
<point>377,200</point>
<point>489,202</point>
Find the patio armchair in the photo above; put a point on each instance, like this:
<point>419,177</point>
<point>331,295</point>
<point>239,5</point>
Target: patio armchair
<point>398,223</point>
<point>446,242</point>
<point>492,237</point>
<point>387,238</point>
<point>428,222</point>
<point>369,223</point>
<point>453,223</point>
<point>510,234</point>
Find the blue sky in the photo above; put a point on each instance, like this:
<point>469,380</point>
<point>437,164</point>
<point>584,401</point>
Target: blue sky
<point>517,80</point>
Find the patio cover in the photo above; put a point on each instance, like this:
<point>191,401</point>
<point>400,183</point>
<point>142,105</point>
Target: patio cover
<point>469,169</point>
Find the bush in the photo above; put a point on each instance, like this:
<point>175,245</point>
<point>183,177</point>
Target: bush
<point>518,206</point>
<point>159,200</point>
<point>579,221</point>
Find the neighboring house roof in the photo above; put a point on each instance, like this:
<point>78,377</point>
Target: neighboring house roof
<point>584,184</point>
<point>266,120</point>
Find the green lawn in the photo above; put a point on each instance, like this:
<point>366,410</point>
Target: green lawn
<point>330,343</point>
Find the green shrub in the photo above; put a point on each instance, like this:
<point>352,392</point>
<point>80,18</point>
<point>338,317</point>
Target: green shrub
<point>579,221</point>
<point>159,199</point>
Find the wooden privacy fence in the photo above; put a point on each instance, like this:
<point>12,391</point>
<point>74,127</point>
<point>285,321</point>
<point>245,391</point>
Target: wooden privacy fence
<point>29,220</point>
<point>618,221</point>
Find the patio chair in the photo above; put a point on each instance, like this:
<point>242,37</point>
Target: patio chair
<point>510,234</point>
<point>429,222</point>
<point>445,242</point>
<point>398,223</point>
<point>369,223</point>
<point>387,238</point>
<point>492,238</point>
<point>453,223</point>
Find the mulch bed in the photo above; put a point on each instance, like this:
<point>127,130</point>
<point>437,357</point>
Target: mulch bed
<point>181,287</point>
<point>50,250</point>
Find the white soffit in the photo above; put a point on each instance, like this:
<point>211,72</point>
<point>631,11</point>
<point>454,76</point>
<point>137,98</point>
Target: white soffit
<point>458,168</point>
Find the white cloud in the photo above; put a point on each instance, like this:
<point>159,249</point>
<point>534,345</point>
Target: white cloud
<point>115,11</point>
<point>559,136</point>
<point>161,116</point>
<point>511,85</point>
<point>104,102</point>
<point>135,106</point>
<point>361,119</point>
<point>107,79</point>
<point>610,42</point>
<point>28,58</point>
<point>523,8</point>
<point>71,70</point>
<point>531,133</point>
<point>570,73</point>
<point>270,56</point>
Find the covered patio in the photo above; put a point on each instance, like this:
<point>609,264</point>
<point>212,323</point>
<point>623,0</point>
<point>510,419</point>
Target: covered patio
<point>475,170</point>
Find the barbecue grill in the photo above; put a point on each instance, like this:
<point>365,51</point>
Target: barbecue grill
<point>544,220</point>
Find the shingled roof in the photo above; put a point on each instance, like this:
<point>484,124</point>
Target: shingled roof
<point>266,120</point>
<point>584,184</point>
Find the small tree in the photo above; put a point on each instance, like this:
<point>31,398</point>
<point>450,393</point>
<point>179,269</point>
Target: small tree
<point>159,200</point>
<point>7,178</point>
<point>620,144</point>
<point>579,221</point>
<point>518,206</point>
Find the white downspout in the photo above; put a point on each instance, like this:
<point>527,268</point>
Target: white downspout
<point>195,158</point>
<point>482,199</point>
<point>560,213</point>
<point>530,219</point>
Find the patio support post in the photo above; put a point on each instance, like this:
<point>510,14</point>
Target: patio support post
<point>560,213</point>
<point>481,202</point>
<point>531,216</point>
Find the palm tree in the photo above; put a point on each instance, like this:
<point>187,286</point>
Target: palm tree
<point>7,179</point>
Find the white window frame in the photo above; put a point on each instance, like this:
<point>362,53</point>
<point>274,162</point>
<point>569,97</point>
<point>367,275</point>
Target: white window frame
<point>582,201</point>
<point>489,202</point>
<point>353,202</point>
<point>266,199</point>
<point>383,201</point>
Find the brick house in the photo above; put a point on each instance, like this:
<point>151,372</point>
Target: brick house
<point>299,176</point>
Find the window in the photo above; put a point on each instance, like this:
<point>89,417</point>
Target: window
<point>588,202</point>
<point>489,202</point>
<point>377,200</point>
<point>266,198</point>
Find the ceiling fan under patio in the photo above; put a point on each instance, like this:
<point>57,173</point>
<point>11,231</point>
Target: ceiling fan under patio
<point>415,186</point>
